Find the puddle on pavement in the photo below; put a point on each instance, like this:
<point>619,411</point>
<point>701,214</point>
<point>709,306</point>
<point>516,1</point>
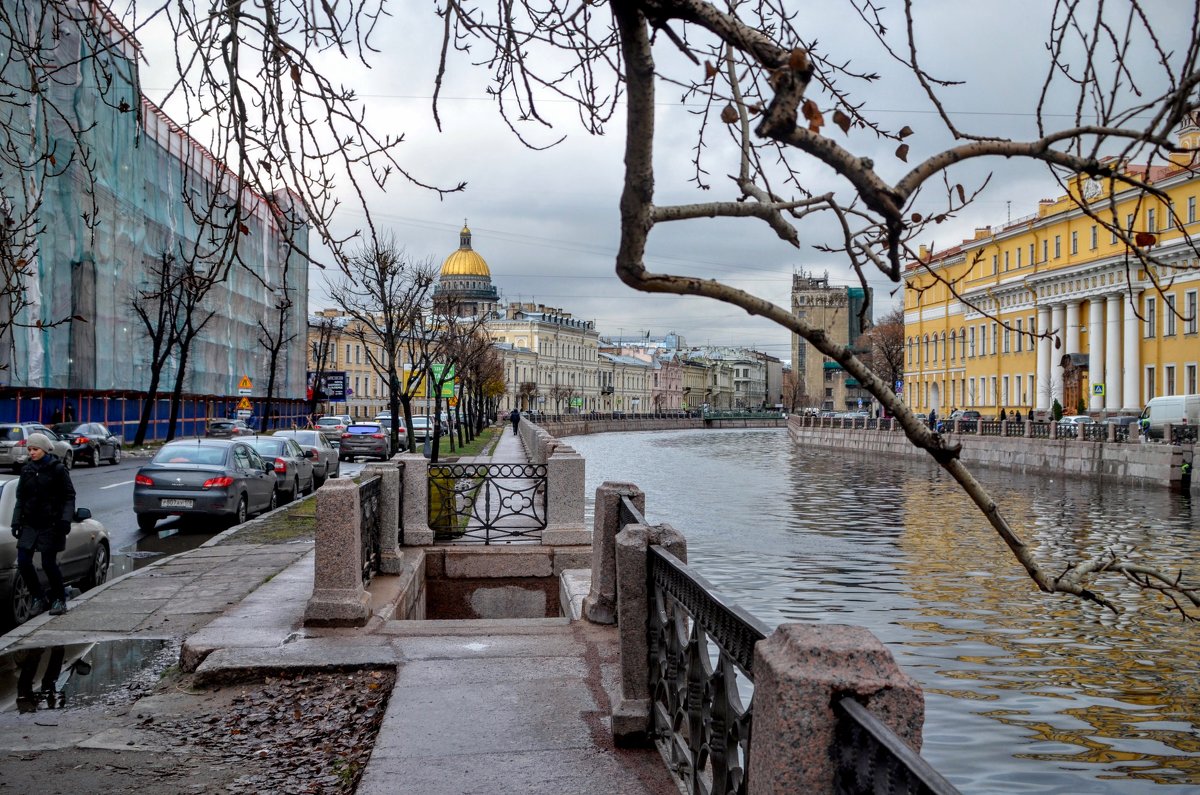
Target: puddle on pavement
<point>77,675</point>
<point>170,540</point>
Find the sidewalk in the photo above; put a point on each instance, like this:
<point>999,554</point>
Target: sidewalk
<point>478,706</point>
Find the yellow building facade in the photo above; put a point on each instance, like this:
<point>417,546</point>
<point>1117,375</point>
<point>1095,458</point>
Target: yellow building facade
<point>1056,305</point>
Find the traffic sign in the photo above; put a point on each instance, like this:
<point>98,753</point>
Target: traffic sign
<point>244,415</point>
<point>1098,389</point>
<point>245,383</point>
<point>246,392</point>
<point>244,405</point>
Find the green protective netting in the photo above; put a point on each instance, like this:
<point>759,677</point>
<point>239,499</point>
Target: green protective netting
<point>138,162</point>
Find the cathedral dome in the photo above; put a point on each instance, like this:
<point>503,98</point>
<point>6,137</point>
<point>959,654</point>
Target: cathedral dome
<point>465,261</point>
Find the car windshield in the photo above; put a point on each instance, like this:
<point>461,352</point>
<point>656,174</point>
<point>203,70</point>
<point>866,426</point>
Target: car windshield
<point>221,425</point>
<point>68,427</point>
<point>269,446</point>
<point>364,429</point>
<point>190,454</point>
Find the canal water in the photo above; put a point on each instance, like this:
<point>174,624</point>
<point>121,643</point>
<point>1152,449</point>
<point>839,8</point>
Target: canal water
<point>1025,693</point>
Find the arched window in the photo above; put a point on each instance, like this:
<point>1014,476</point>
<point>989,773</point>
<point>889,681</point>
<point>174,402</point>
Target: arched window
<point>945,355</point>
<point>926,349</point>
<point>953,345</point>
<point>962,344</point>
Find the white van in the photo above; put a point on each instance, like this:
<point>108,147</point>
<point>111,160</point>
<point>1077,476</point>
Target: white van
<point>1171,410</point>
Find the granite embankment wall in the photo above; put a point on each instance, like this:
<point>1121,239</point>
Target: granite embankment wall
<point>1142,464</point>
<point>559,429</point>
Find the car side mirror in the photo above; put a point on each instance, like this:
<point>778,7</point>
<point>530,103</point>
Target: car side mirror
<point>81,514</point>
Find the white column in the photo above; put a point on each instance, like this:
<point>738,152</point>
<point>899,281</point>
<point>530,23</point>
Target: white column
<point>1073,327</point>
<point>1096,351</point>
<point>1058,321</point>
<point>1112,353</point>
<point>1041,386</point>
<point>1131,355</point>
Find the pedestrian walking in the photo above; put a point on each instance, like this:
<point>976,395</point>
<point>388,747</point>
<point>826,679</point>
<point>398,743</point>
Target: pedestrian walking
<point>41,521</point>
<point>933,418</point>
<point>1003,415</point>
<point>514,416</point>
<point>1018,415</point>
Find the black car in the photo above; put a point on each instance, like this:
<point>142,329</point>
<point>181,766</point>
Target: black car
<point>227,429</point>
<point>223,478</point>
<point>90,442</point>
<point>293,465</point>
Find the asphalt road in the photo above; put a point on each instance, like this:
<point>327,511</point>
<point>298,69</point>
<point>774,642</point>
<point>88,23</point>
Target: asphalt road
<point>107,491</point>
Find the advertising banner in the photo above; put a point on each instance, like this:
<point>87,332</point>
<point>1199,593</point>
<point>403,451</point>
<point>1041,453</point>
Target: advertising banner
<point>330,386</point>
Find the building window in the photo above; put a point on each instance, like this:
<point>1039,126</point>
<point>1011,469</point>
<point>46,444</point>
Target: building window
<point>1149,384</point>
<point>953,345</point>
<point>1191,216</point>
<point>1007,340</point>
<point>1045,250</point>
<point>1169,221</point>
<point>1004,392</point>
<point>1151,316</point>
<point>1169,319</point>
<point>995,338</point>
<point>347,353</point>
<point>1189,376</point>
<point>1094,234</point>
<point>1169,379</point>
<point>962,344</point>
<point>1020,337</point>
<point>1057,246</point>
<point>1189,312</point>
<point>1020,392</point>
<point>995,259</point>
<point>992,391</point>
<point>1031,259</point>
<point>1018,256</point>
<point>1151,221</point>
<point>972,343</point>
<point>1074,242</point>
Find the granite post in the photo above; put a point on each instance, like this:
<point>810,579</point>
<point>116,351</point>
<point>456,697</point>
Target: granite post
<point>632,713</point>
<point>338,598</point>
<point>564,499</point>
<point>600,605</point>
<point>414,529</point>
<point>389,513</point>
<point>799,672</point>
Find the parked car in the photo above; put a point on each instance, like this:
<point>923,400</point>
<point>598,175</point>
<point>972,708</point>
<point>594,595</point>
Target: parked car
<point>84,562</point>
<point>1076,419</point>
<point>1171,410</point>
<point>333,426</point>
<point>224,478</point>
<point>402,434</point>
<point>965,414</point>
<point>325,461</point>
<point>422,428</point>
<point>293,465</point>
<point>227,429</point>
<point>15,435</point>
<point>365,438</point>
<point>90,441</point>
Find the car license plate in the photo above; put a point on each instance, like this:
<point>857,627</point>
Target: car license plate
<point>176,503</point>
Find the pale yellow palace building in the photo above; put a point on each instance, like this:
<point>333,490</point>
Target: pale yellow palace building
<point>1120,333</point>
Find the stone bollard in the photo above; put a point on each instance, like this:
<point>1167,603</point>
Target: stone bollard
<point>338,598</point>
<point>389,513</point>
<point>600,605</point>
<point>564,499</point>
<point>631,716</point>
<point>414,521</point>
<point>1110,433</point>
<point>1028,430</point>
<point>799,671</point>
<point>1053,429</point>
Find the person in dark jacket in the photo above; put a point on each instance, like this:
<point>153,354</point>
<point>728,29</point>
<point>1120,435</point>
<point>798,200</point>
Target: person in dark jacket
<point>41,521</point>
<point>515,417</point>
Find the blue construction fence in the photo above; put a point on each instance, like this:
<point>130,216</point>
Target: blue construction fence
<point>120,411</point>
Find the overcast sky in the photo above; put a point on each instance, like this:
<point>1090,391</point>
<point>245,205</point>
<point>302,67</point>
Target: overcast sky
<point>547,222</point>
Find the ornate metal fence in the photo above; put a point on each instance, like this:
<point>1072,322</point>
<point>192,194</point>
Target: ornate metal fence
<point>487,503</point>
<point>870,758</point>
<point>369,495</point>
<point>1039,430</point>
<point>698,710</point>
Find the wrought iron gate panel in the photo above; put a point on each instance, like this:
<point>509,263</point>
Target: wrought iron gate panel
<point>698,708</point>
<point>369,494</point>
<point>487,503</point>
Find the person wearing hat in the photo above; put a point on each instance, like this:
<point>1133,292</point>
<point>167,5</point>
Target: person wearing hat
<point>41,521</point>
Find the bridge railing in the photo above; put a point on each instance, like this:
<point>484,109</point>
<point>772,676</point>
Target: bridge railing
<point>487,503</point>
<point>735,706</point>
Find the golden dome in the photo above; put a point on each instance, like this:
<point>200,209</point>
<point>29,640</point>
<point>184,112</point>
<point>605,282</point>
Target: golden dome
<point>465,261</point>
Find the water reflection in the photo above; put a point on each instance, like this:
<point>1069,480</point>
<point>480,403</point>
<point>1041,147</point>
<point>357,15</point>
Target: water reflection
<point>1025,692</point>
<point>168,539</point>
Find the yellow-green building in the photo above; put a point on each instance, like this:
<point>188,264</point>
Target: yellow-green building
<point>1118,331</point>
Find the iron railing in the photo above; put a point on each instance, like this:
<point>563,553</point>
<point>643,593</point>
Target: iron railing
<point>1095,432</point>
<point>1039,430</point>
<point>697,708</point>
<point>369,495</point>
<point>870,759</point>
<point>1014,428</point>
<point>487,503</point>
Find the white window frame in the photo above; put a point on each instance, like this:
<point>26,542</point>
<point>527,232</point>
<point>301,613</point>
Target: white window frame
<point>1190,306</point>
<point>1169,318</point>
